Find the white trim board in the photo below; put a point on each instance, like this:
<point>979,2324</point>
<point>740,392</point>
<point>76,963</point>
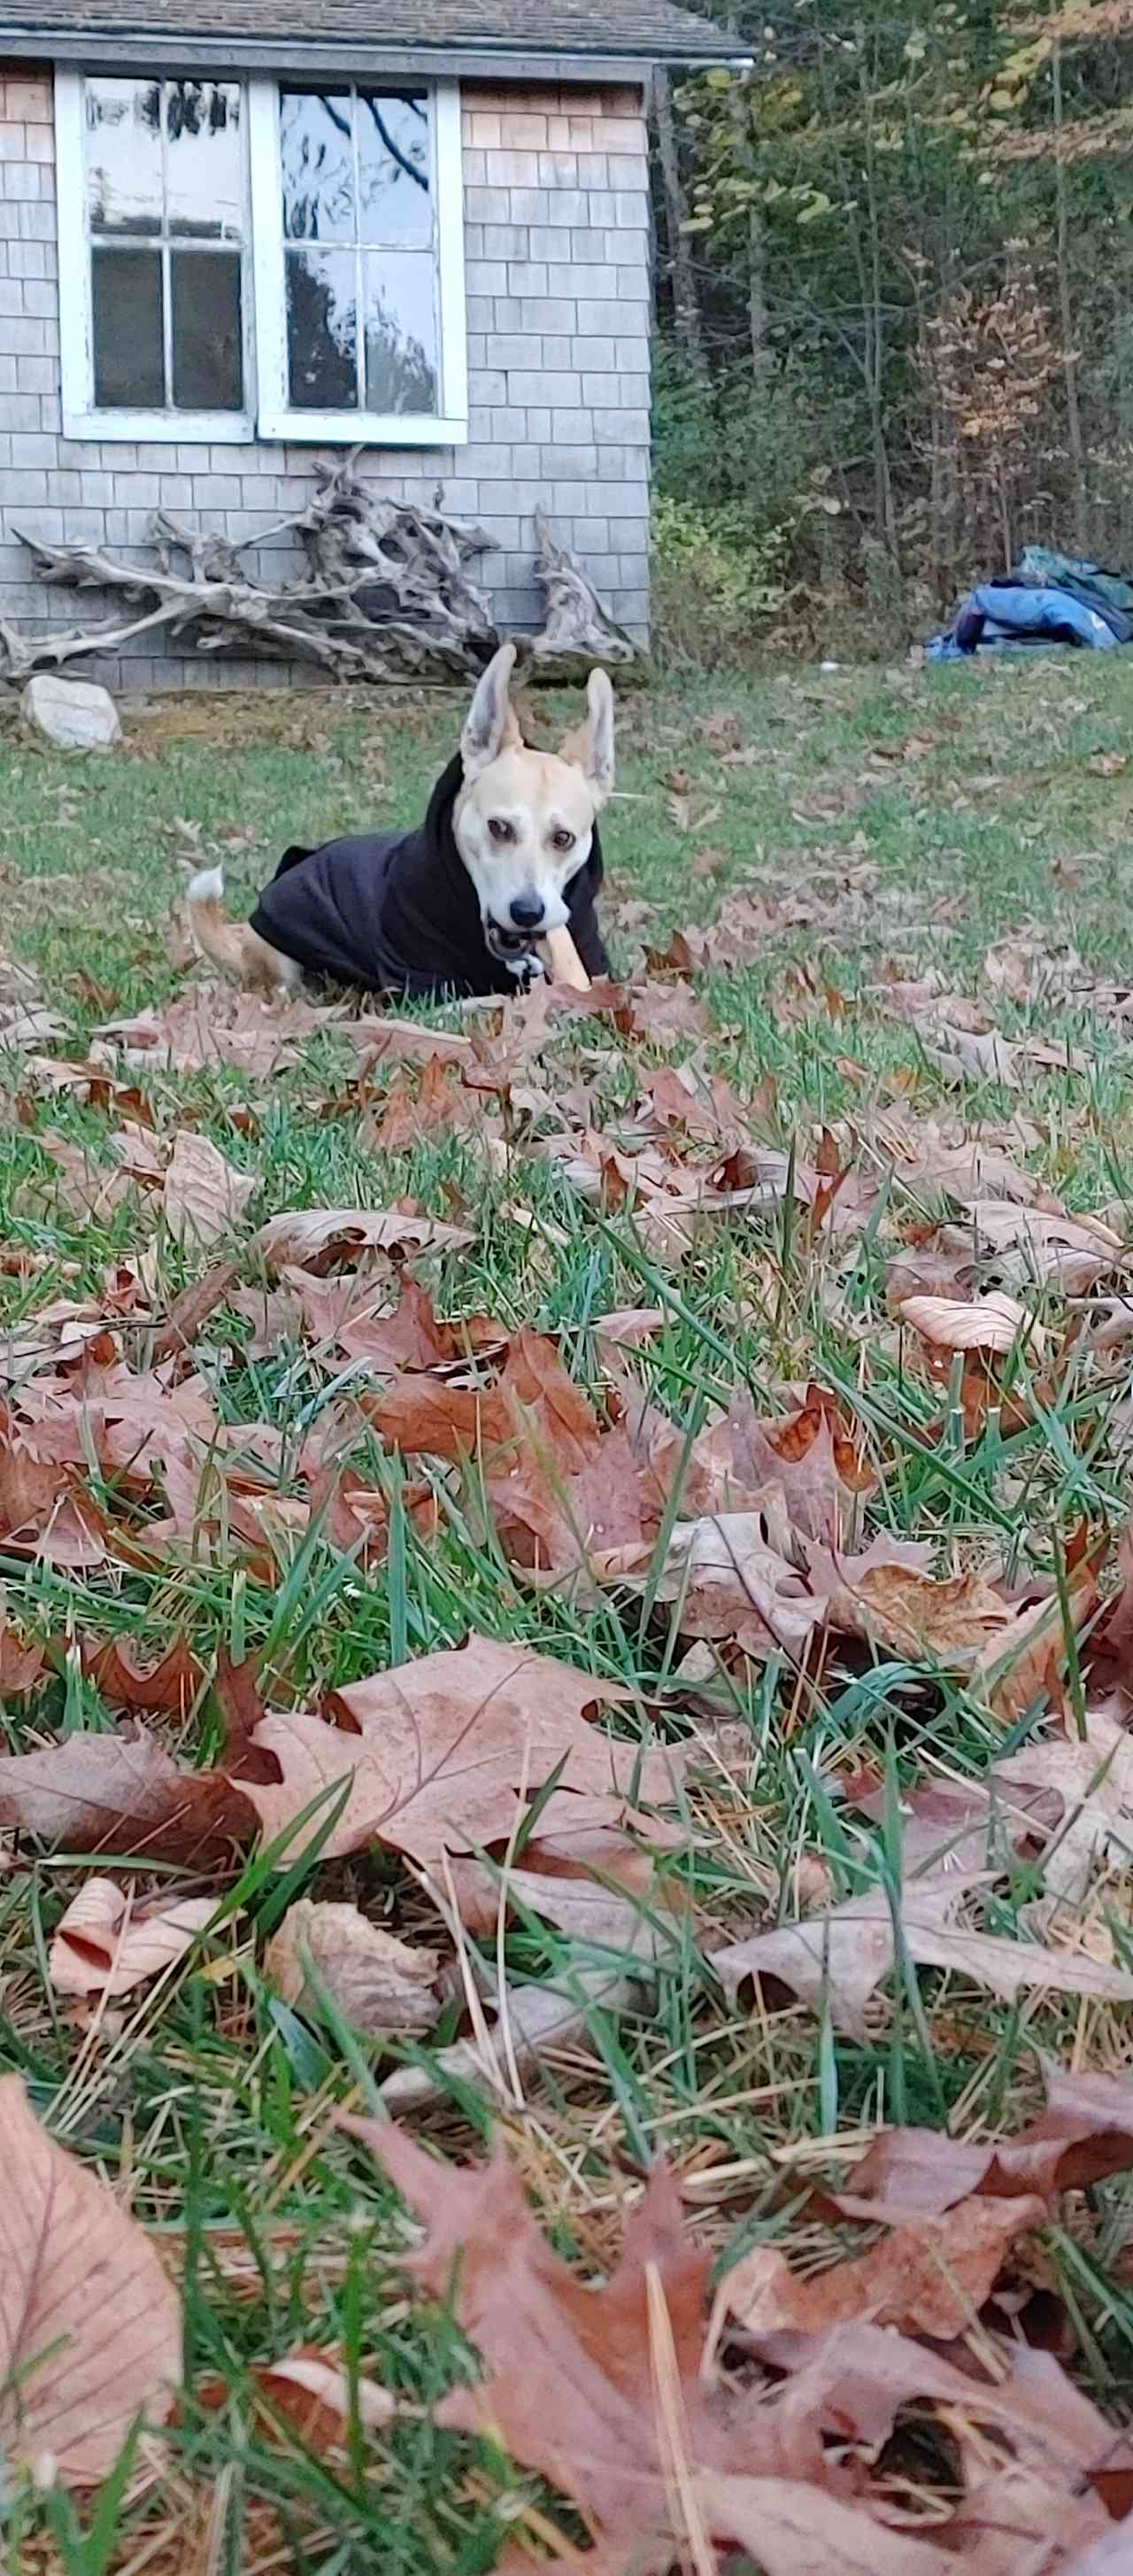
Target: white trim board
<point>81,416</point>
<point>268,414</point>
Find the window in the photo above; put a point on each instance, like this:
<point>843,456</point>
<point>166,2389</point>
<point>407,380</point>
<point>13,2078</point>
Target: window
<point>153,195</point>
<point>359,257</point>
<point>261,259</point>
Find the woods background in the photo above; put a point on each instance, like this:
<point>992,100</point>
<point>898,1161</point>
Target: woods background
<point>895,309</point>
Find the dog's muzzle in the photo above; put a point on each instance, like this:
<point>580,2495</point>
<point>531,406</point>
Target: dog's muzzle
<point>512,947</point>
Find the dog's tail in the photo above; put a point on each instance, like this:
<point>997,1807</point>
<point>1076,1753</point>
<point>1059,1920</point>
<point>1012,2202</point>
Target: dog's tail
<point>218,938</point>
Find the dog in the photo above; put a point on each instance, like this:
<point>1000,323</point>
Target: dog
<point>508,854</point>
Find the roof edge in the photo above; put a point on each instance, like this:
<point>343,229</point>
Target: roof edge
<point>118,48</point>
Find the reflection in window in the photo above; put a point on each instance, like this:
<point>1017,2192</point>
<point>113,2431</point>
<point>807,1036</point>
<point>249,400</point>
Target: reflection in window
<point>356,172</point>
<point>164,164</point>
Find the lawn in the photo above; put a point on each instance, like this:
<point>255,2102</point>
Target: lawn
<point>759,1347</point>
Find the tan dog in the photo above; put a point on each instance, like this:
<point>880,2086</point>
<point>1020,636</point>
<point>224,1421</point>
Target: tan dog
<point>508,858</point>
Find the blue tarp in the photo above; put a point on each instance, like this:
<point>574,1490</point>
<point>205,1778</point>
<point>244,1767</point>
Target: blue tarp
<point>1048,599</point>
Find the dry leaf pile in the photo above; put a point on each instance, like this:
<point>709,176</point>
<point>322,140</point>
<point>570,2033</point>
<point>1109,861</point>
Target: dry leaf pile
<point>769,2428</point>
<point>615,1603</point>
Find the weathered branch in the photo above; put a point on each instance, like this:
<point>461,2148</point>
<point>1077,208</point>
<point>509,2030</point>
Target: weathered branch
<point>578,630</point>
<point>386,592</point>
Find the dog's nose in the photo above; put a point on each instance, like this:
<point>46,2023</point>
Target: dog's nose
<point>527,911</point>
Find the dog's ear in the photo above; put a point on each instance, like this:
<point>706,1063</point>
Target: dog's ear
<point>591,746</point>
<point>490,723</point>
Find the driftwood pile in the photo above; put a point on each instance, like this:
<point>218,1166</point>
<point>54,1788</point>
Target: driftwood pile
<point>386,594</point>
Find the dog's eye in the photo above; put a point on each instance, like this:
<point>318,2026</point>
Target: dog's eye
<point>562,840</point>
<point>501,830</point>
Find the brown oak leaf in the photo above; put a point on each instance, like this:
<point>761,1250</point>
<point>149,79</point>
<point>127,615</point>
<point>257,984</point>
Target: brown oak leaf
<point>930,2279</point>
<point>122,1793</point>
<point>90,2327</point>
<point>443,1756</point>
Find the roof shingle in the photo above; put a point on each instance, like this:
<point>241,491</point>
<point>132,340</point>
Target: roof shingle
<point>597,30</point>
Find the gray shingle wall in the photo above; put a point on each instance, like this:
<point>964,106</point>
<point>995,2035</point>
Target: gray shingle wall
<point>556,250</point>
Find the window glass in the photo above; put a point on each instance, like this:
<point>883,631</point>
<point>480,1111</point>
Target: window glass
<point>128,316</point>
<point>207,333</point>
<point>356,178</point>
<point>322,330</point>
<point>165,165</point>
<point>204,160</point>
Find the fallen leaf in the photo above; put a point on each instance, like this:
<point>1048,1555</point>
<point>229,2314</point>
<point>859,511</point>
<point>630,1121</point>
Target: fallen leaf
<point>812,1455</point>
<point>211,1025</point>
<point>1084,2134</point>
<point>851,2382</point>
<point>790,2528</point>
<point>568,2385</point>
<point>966,1055</point>
<point>192,1309</point>
<point>571,2381</point>
<point>1037,1245</point>
<point>204,1195</point>
<point>409,1041</point>
<point>103,1946</point>
<point>931,2279</point>
<point>315,1238</point>
<point>317,2396</point>
<point>667,1014</point>
<point>994,1323</point>
<point>377,1982</point>
<point>1022,1668</point>
<point>959,1824</point>
<point>87,1187</point>
<point>275,1315</point>
<point>22,1664</point>
<point>841,1958</point>
<point>121,1793</point>
<point>436,1104</point>
<point>1010,971</point>
<point>168,1685</point>
<point>947,1622</point>
<point>747,1577</point>
<point>528,2025</point>
<point>442,1755</point>
<point>627,1327</point>
<point>1108,2555</point>
<point>534,1394</point>
<point>45,1512</point>
<point>413,1337</point>
<point>90,2327</point>
<point>731,1577</point>
<point>1093,1778</point>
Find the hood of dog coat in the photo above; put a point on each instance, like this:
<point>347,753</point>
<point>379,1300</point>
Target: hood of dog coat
<point>396,912</point>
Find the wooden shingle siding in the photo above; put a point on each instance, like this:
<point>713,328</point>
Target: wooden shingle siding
<point>557,287</point>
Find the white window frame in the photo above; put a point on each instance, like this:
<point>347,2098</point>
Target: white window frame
<point>448,427</point>
<point>267,413</point>
<point>82,417</point>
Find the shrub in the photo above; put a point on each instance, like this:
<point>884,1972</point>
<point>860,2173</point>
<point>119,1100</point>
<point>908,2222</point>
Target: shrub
<point>717,583</point>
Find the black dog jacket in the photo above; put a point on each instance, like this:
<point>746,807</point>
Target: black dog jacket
<point>397,912</point>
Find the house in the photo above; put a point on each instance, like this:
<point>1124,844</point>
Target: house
<point>237,234</point>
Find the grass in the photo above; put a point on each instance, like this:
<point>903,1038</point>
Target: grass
<point>925,818</point>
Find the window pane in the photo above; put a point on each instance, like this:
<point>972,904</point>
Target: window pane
<point>124,156</point>
<point>401,332</point>
<point>203,174</point>
<point>317,158</point>
<point>322,330</point>
<point>208,362</point>
<point>394,168</point>
<point>129,366</point>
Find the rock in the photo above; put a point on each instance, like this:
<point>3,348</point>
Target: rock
<point>78,715</point>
